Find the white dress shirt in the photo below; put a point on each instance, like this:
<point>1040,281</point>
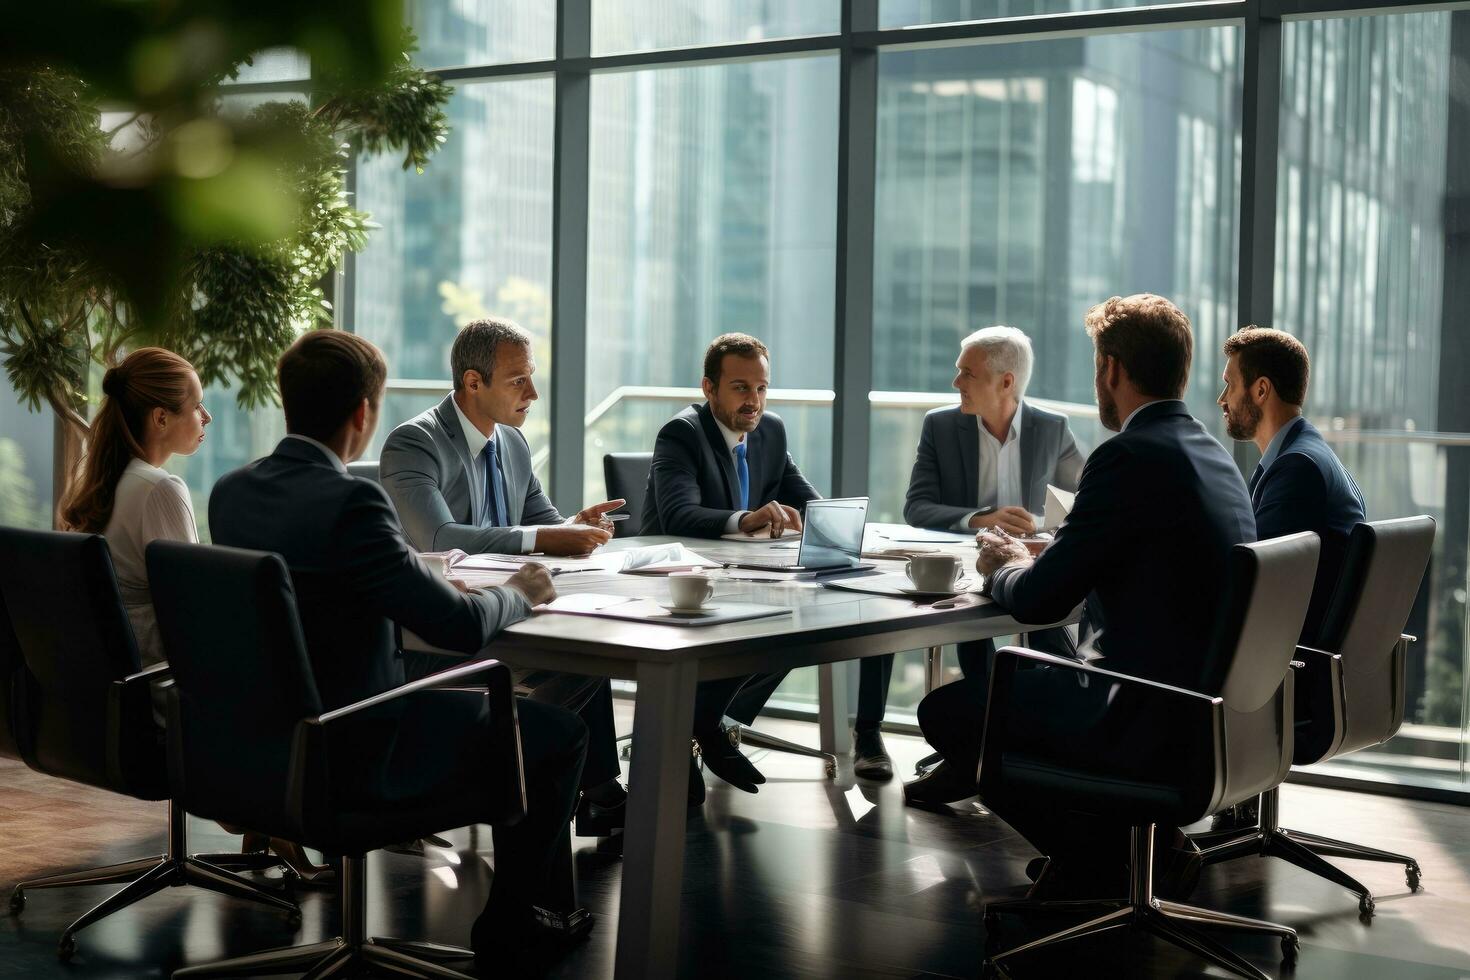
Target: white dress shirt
<point>149,504</point>
<point>475,440</point>
<point>1000,471</point>
<point>733,439</point>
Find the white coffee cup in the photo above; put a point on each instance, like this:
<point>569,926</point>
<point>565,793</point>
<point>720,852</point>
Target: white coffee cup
<point>690,590</point>
<point>934,573</point>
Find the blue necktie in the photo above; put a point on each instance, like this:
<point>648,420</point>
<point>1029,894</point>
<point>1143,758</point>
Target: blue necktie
<point>742,472</point>
<point>494,506</point>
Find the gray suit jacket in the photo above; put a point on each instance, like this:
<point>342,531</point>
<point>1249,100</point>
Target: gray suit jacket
<point>944,485</point>
<point>429,473</point>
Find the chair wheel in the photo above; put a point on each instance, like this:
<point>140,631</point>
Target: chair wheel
<point>17,901</point>
<point>1413,877</point>
<point>67,947</point>
<point>831,769</point>
<point>1366,905</point>
<point>1290,947</point>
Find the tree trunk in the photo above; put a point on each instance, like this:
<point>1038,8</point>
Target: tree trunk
<point>68,440</point>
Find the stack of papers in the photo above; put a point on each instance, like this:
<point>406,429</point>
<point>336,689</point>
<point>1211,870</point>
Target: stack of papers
<point>663,559</point>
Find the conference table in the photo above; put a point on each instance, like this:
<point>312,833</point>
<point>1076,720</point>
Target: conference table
<point>826,627</point>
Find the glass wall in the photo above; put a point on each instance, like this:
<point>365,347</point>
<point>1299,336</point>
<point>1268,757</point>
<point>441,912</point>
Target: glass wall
<point>1021,184</point>
<point>712,208</point>
<point>468,237</point>
<point>1372,151</point>
<point>640,25</point>
<point>25,462</point>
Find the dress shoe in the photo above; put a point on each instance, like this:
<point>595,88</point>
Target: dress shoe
<point>1241,816</point>
<point>519,946</point>
<point>728,762</point>
<point>940,785</point>
<point>869,758</point>
<point>600,819</point>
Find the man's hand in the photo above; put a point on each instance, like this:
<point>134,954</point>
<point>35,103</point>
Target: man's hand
<point>592,516</point>
<point>1013,520</point>
<point>533,581</point>
<point>775,516</point>
<point>997,551</point>
<point>570,540</point>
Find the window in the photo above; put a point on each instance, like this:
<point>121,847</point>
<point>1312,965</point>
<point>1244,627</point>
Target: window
<point>467,238</point>
<point>712,209</point>
<point>1021,184</point>
<point>25,462</point>
<point>478,32</point>
<point>639,25</point>
<point>1371,158</point>
<point>908,13</point>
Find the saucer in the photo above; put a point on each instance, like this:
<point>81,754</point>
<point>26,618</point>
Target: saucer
<point>688,610</point>
<point>961,587</point>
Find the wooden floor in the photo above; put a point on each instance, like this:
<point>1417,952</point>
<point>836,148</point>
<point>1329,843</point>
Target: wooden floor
<point>806,879</point>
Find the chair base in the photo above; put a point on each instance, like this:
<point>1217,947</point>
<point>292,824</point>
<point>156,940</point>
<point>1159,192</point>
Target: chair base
<point>338,957</point>
<point>1172,922</point>
<point>743,735</point>
<point>1306,851</point>
<point>171,870</point>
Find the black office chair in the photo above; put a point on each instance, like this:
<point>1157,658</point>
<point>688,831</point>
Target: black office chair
<point>365,468</point>
<point>11,664</point>
<point>1350,694</point>
<point>84,713</point>
<point>626,476</point>
<point>254,677</point>
<point>1157,754</point>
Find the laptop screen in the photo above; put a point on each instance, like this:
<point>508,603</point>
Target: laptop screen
<point>833,533</point>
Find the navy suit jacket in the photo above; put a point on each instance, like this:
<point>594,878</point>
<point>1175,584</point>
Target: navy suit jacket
<point>692,486</point>
<point>354,574</point>
<point>943,486</point>
<point>1158,509</point>
<point>1308,489</point>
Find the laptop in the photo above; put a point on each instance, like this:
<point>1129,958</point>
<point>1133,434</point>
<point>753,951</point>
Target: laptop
<point>831,540</point>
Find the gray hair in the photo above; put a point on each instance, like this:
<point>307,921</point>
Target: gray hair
<point>1006,349</point>
<point>474,349</point>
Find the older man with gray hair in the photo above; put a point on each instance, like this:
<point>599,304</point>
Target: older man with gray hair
<point>983,464</point>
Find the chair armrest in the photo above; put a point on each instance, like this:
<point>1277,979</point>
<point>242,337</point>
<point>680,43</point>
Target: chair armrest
<point>309,797</point>
<point>1407,638</point>
<point>147,675</point>
<point>453,675</point>
<point>1082,667</point>
<point>1177,700</point>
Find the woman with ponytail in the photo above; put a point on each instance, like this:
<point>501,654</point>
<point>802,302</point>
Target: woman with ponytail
<point>152,408</point>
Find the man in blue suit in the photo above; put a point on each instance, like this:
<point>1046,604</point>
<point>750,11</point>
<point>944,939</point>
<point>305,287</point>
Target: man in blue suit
<point>1299,484</point>
<point>356,580</point>
<point>1158,508</point>
<point>718,468</point>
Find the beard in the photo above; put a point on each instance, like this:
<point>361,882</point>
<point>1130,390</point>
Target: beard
<point>1241,423</point>
<point>1107,407</point>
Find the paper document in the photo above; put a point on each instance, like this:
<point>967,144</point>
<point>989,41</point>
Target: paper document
<point>1058,506</point>
<point>759,535</point>
<point>585,602</point>
<point>912,535</point>
<point>664,559</point>
<point>603,562</point>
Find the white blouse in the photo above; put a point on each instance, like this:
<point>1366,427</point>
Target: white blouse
<point>150,504</point>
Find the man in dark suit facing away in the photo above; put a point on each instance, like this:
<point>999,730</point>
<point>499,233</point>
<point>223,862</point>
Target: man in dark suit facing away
<point>718,468</point>
<point>1158,508</point>
<point>1299,484</point>
<point>355,577</point>
<point>981,464</point>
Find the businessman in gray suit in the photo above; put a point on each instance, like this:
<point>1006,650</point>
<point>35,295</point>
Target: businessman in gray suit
<point>460,477</point>
<point>982,464</point>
